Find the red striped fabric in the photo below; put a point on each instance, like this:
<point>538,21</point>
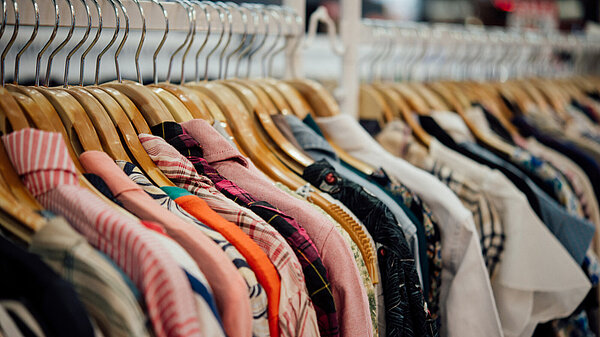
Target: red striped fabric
<point>42,161</point>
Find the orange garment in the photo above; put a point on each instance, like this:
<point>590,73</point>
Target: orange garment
<point>257,260</point>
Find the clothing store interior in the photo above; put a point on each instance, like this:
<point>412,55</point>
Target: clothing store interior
<point>300,168</point>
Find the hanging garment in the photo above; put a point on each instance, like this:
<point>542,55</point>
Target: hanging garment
<point>41,159</point>
<point>100,287</point>
<point>348,292</point>
<point>315,274</point>
<point>467,303</point>
<point>228,286</point>
<point>296,313</point>
<point>52,300</point>
<point>254,266</point>
<point>406,314</point>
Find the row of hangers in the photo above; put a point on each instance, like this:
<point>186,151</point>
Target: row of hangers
<point>478,64</point>
<point>109,116</point>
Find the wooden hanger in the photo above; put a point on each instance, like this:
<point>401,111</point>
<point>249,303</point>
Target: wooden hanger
<point>190,99</point>
<point>414,100</point>
<point>401,108</point>
<point>33,112</point>
<point>13,117</point>
<point>372,106</point>
<point>258,101</point>
<point>176,108</point>
<point>299,92</point>
<point>151,107</point>
<point>433,100</point>
<point>130,136</point>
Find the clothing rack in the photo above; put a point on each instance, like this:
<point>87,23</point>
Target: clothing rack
<point>586,47</point>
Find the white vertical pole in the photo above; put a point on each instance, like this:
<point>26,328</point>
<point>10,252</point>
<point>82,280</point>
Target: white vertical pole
<point>350,25</point>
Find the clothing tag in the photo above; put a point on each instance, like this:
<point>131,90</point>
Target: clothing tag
<point>305,190</point>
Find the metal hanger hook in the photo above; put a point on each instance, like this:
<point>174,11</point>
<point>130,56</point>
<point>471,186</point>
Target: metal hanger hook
<point>112,40</point>
<point>212,51</point>
<point>12,38</point>
<point>255,20</point>
<point>79,44</point>
<point>265,16</point>
<point>191,23</point>
<point>243,13</point>
<point>36,26</point>
<point>64,43</point>
<point>92,44</point>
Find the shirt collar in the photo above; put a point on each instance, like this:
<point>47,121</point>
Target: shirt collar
<point>308,139</point>
<point>41,159</point>
<point>102,165</point>
<point>175,135</point>
<point>216,147</point>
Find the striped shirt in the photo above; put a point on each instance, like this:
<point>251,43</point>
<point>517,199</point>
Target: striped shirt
<point>258,298</point>
<point>42,160</point>
<point>315,273</point>
<point>296,313</point>
<point>100,287</point>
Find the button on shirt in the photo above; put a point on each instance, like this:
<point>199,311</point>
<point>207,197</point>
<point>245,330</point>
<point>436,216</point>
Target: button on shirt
<point>315,274</point>
<point>349,294</point>
<point>101,288</point>
<point>296,313</point>
<point>228,286</point>
<point>258,298</point>
<point>43,163</point>
<point>467,303</point>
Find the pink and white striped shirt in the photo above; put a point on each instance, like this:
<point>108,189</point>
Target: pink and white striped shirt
<point>43,163</point>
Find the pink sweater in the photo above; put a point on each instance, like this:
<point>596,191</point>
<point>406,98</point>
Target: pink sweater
<point>348,291</point>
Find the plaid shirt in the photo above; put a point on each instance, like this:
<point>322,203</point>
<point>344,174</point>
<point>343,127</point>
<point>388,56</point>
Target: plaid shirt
<point>258,298</point>
<point>486,217</point>
<point>315,273</point>
<point>101,288</point>
<point>296,313</point>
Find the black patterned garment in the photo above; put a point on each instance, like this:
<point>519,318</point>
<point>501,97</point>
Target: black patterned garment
<point>406,314</point>
<point>432,234</point>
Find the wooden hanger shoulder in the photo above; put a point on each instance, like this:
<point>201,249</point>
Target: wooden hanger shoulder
<point>176,108</point>
<point>239,119</point>
<point>190,99</point>
<point>33,112</point>
<point>264,112</point>
<point>372,105</point>
<point>132,112</point>
<point>394,100</point>
<point>321,101</point>
<point>130,137</point>
<point>416,102</point>
<point>151,107</point>
<point>82,135</point>
<point>13,117</point>
<point>108,135</point>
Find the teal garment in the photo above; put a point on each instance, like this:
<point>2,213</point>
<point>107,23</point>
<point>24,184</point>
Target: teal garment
<point>175,192</point>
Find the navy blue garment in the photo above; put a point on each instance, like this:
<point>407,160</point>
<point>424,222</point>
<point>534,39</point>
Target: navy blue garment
<point>51,300</point>
<point>574,233</point>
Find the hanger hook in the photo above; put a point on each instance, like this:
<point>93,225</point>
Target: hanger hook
<point>138,71</point>
<point>266,20</point>
<point>206,36</point>
<point>222,18</point>
<point>92,44</point>
<point>112,40</point>
<point>255,20</point>
<point>274,10</point>
<point>62,44</point>
<point>189,46</point>
<point>12,39</point>
<point>229,34</point>
<point>162,41</point>
<point>191,24</point>
<point>243,14</point>
<point>123,40</point>
<point>288,14</point>
<point>297,42</point>
<point>79,44</point>
<point>38,63</point>
<point>36,26</point>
